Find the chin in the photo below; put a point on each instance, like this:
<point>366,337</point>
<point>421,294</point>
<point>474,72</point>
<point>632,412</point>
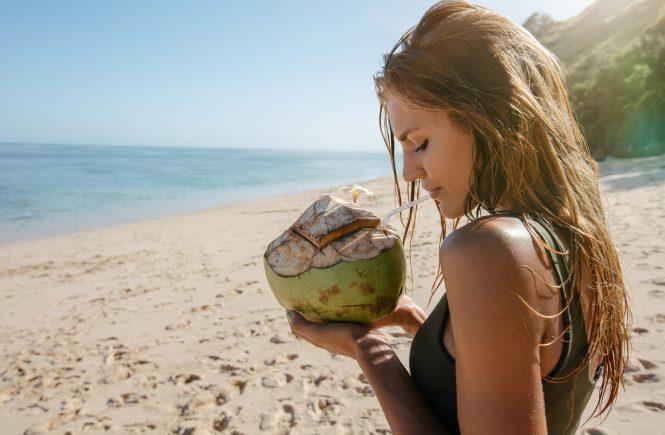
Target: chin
<point>450,212</point>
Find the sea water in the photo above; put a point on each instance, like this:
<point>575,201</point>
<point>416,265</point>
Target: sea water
<point>48,189</point>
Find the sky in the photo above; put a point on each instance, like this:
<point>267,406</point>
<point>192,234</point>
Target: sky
<point>281,74</point>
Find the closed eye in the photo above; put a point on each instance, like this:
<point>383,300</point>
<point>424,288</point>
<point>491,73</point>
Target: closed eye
<point>422,146</point>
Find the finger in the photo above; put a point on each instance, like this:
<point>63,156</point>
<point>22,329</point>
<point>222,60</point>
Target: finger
<point>301,326</point>
<point>400,315</point>
<point>391,319</point>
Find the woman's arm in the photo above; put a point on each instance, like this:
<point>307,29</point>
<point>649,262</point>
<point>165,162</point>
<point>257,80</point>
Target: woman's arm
<point>402,403</point>
<point>495,287</point>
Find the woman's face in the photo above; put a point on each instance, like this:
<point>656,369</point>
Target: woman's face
<point>435,151</point>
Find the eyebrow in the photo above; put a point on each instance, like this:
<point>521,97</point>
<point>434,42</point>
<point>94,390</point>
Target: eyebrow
<point>406,133</point>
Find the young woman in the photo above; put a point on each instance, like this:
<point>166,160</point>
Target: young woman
<point>535,306</point>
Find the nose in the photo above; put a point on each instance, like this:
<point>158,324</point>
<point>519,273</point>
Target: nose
<point>412,169</point>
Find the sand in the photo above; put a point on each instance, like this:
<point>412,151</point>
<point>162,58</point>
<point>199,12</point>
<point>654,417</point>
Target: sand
<point>168,325</point>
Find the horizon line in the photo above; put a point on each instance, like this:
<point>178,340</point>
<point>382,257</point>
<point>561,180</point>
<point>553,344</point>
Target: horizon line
<point>363,150</point>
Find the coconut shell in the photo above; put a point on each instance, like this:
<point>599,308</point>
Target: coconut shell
<point>351,236</point>
<point>330,218</point>
<point>334,264</point>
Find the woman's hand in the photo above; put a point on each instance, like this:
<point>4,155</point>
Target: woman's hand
<point>407,315</point>
<point>351,339</point>
<point>348,339</point>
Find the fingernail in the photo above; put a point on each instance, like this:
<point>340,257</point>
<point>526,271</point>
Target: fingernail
<point>289,316</point>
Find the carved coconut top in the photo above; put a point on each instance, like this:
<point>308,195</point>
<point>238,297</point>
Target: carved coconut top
<point>330,218</point>
<point>329,231</point>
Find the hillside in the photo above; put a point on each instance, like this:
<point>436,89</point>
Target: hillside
<point>605,24</point>
<point>614,52</point>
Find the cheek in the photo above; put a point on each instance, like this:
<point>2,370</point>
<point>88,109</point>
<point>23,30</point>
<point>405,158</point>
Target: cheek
<point>460,167</point>
<point>467,167</point>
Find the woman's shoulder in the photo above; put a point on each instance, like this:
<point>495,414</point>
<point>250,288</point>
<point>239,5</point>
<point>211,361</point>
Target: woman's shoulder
<point>493,235</point>
<point>495,256</point>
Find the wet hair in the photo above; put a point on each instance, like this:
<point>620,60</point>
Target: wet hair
<point>496,81</point>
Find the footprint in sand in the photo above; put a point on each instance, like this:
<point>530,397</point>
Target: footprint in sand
<point>350,383</point>
<point>198,404</point>
<point>276,380</point>
<point>126,399</point>
<point>139,427</point>
<point>249,283</point>
<point>654,406</point>
<point>115,352</point>
<point>311,381</point>
<point>223,393</point>
<point>115,373</point>
<point>205,307</point>
<point>69,410</point>
<point>648,365</point>
<point>281,359</point>
<point>646,378</point>
<point>147,382</point>
<point>178,324</point>
<point>230,369</point>
<point>222,422</point>
<point>240,385</point>
<point>325,408</point>
<point>97,426</point>
<point>365,389</point>
<point>181,379</point>
<point>33,409</point>
<point>281,338</point>
<point>283,418</point>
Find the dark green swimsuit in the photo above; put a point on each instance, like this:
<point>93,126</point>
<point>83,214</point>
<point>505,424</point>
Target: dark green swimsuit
<point>433,368</point>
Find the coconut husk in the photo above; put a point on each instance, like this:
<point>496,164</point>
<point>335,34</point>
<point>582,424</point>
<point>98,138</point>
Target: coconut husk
<point>329,231</point>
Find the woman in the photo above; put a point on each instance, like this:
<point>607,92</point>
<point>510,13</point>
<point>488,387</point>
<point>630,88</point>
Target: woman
<point>535,304</point>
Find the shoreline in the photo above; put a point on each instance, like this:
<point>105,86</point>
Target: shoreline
<point>122,223</point>
<point>168,325</point>
<point>51,190</point>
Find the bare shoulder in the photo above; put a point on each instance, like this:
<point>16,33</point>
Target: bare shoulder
<point>494,263</point>
<point>487,240</point>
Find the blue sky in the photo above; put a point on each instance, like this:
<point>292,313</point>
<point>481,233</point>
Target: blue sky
<point>253,74</point>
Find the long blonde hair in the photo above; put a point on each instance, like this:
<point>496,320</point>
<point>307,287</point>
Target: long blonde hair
<point>494,79</point>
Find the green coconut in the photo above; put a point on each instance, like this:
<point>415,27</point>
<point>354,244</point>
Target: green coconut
<point>336,263</point>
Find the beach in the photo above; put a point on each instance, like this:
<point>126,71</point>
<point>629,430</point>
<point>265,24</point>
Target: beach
<point>168,325</point>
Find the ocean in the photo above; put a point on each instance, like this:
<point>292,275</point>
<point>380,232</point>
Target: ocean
<point>49,189</point>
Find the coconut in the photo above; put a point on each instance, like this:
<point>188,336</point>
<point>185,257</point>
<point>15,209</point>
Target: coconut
<point>337,263</point>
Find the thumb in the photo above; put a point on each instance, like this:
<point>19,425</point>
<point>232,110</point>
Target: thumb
<point>299,325</point>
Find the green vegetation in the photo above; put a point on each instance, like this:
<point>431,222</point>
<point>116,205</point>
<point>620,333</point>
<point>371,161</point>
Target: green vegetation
<point>616,73</point>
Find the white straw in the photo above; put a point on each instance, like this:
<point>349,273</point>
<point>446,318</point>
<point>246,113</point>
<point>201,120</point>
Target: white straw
<point>392,213</point>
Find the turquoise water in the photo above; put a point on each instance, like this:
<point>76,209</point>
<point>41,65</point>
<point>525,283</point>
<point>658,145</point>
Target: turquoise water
<point>50,189</point>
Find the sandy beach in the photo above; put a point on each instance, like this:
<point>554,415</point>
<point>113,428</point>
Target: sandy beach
<point>168,325</point>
